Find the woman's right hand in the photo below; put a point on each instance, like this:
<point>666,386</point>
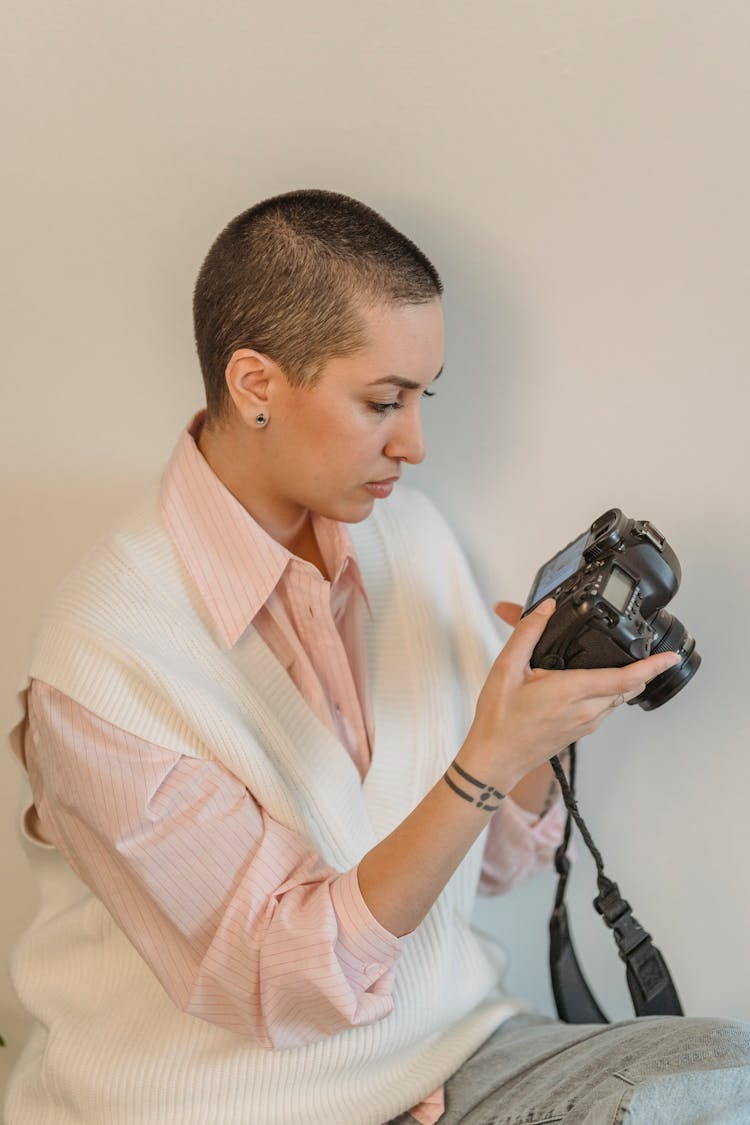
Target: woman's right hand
<point>525,715</point>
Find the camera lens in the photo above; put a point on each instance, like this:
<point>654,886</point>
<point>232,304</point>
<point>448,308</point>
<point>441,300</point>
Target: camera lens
<point>671,636</point>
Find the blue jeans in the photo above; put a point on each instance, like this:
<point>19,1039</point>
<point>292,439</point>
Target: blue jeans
<point>651,1071</point>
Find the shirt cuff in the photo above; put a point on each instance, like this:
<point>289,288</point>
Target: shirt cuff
<point>545,828</point>
<point>431,1109</point>
<point>367,951</point>
<point>519,844</point>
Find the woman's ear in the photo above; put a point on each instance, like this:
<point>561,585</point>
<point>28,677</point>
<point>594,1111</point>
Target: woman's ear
<point>249,377</point>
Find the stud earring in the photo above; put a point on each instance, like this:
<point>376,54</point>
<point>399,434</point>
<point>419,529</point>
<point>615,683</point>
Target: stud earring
<point>261,419</point>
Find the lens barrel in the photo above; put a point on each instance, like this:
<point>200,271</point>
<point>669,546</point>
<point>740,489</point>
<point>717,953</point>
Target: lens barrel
<point>671,636</point>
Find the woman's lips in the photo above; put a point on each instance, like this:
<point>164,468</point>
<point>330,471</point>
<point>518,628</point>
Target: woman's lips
<point>381,488</point>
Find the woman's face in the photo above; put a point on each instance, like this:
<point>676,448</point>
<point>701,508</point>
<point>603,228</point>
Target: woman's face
<point>336,447</point>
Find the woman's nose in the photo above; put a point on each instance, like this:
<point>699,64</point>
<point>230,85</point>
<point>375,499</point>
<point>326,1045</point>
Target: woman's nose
<point>407,442</point>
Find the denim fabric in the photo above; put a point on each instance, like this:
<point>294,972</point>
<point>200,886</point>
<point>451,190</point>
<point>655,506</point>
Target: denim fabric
<point>651,1071</point>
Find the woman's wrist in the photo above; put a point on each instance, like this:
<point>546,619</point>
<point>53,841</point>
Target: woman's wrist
<point>483,761</point>
<point>481,794</point>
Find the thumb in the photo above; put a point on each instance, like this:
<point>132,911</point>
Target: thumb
<point>527,633</point>
<point>509,612</point>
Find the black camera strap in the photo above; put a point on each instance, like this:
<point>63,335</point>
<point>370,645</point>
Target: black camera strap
<point>651,987</point>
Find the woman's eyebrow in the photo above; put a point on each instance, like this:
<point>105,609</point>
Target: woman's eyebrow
<point>397,381</point>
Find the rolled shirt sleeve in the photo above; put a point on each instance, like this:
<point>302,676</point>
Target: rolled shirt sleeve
<point>519,845</point>
<point>240,920</point>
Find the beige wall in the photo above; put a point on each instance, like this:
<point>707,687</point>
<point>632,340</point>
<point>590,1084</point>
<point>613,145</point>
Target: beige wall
<point>579,171</point>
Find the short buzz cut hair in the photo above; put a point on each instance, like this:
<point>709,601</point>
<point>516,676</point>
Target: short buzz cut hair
<point>289,278</point>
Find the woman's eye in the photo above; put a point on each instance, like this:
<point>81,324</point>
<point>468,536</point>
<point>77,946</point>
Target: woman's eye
<point>384,407</point>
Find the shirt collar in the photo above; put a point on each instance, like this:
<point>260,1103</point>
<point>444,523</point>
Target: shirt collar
<point>234,563</point>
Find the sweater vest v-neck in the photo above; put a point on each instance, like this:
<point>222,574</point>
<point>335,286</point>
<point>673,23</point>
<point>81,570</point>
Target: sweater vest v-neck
<point>129,638</point>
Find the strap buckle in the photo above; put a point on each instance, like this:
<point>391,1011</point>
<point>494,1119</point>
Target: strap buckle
<point>618,914</point>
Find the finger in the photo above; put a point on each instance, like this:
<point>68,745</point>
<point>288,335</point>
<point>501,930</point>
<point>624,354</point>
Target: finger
<point>634,694</point>
<point>602,682</point>
<point>527,633</point>
<point>509,612</point>
<point>612,702</point>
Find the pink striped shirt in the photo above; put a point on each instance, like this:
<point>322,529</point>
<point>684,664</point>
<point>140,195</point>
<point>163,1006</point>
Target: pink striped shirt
<point>241,922</point>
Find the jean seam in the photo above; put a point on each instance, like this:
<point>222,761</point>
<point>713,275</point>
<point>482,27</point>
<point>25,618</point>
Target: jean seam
<point>623,1077</point>
<point>548,1119</point>
<point>622,1106</point>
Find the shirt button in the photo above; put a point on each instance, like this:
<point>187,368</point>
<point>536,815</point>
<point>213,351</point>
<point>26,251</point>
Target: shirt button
<point>373,971</point>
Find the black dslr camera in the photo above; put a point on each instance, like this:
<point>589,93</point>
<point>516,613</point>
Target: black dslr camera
<point>611,585</point>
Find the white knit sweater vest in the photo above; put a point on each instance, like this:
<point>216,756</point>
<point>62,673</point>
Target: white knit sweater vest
<point>129,638</point>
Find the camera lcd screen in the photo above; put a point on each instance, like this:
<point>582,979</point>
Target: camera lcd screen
<point>557,570</point>
<point>619,589</point>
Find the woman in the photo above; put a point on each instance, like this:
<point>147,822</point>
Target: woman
<point>273,750</point>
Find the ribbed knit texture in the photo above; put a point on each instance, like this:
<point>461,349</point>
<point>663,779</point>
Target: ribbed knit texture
<point>129,639</point>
